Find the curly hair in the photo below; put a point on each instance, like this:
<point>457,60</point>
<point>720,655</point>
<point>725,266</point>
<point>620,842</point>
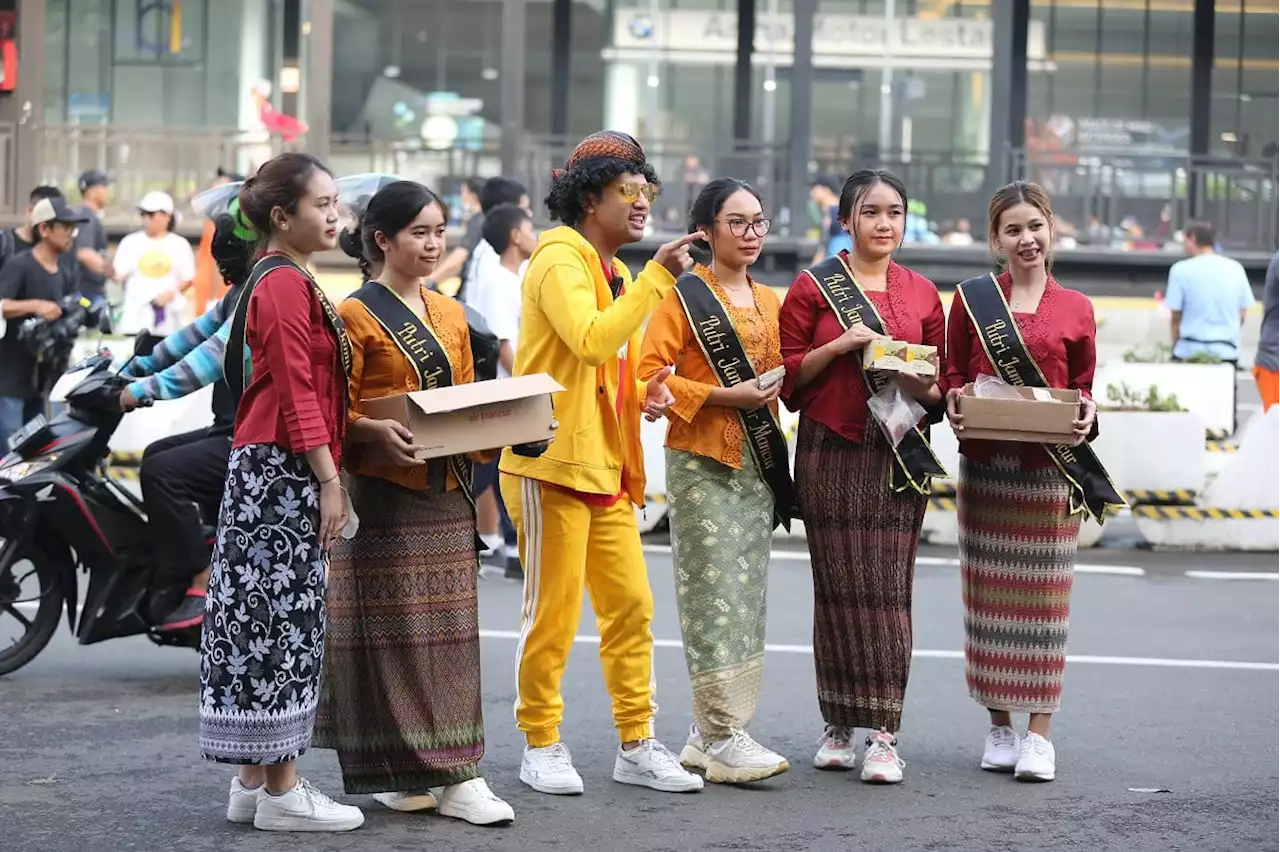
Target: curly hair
<point>572,189</point>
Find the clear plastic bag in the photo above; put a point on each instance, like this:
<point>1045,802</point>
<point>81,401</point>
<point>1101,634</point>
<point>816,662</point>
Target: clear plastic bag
<point>896,412</point>
<point>994,387</point>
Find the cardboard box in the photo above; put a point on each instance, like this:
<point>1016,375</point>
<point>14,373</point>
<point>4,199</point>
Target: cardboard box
<point>1041,416</point>
<point>477,416</point>
<point>898,357</point>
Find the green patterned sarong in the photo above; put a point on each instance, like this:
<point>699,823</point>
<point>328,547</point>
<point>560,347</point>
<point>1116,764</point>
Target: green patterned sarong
<point>721,532</point>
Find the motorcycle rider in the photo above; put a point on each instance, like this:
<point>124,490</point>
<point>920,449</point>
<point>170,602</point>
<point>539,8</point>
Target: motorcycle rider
<point>182,476</point>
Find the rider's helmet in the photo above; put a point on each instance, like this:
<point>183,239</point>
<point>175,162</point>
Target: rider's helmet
<point>354,192</point>
<point>234,239</point>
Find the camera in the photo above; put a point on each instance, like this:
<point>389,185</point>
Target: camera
<point>51,341</point>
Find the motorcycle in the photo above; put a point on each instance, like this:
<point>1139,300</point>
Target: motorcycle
<point>60,511</point>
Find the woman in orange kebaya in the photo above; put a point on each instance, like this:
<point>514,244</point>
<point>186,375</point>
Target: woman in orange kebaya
<point>727,473</point>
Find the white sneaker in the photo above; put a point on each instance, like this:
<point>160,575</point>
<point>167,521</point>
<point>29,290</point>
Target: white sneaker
<point>651,765</point>
<point>694,753</point>
<point>474,802</point>
<point>550,770</point>
<point>835,750</point>
<point>881,764</point>
<point>304,808</point>
<point>1037,760</point>
<point>1001,751</point>
<point>242,804</point>
<point>741,760</point>
<point>407,802</point>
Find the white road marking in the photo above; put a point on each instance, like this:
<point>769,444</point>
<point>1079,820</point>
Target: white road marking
<point>923,653</point>
<point>803,556</point>
<point>1078,659</point>
<point>1232,575</point>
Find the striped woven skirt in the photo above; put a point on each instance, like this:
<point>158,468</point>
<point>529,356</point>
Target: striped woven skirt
<point>401,695</point>
<point>1017,556</point>
<point>862,542</point>
<point>721,533</point>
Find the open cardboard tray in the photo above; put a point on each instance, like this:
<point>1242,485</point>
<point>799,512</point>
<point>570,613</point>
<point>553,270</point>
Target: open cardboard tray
<point>470,417</point>
<point>1027,420</point>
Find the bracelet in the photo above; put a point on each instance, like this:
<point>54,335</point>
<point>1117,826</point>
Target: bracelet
<point>330,479</point>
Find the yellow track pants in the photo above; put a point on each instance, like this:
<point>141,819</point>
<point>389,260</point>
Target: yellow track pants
<point>566,546</point>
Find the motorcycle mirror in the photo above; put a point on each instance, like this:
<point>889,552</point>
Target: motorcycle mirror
<point>145,343</point>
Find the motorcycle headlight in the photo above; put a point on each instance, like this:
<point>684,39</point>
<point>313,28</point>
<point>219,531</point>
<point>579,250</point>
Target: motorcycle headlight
<point>21,470</point>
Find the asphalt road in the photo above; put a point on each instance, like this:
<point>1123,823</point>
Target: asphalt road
<point>98,745</point>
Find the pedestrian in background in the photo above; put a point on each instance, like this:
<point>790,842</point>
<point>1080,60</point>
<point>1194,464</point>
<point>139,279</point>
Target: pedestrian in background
<point>1209,296</point>
<point>1266,364</point>
<point>723,495</point>
<point>862,497</point>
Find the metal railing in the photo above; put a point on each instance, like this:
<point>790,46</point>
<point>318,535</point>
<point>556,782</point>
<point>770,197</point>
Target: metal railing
<point>1123,197</point>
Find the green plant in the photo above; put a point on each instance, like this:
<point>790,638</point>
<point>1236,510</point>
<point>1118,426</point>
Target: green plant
<point>1160,353</point>
<point>1202,358</point>
<point>1125,398</point>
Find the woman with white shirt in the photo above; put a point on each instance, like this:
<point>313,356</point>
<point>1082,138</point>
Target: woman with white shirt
<point>157,267</point>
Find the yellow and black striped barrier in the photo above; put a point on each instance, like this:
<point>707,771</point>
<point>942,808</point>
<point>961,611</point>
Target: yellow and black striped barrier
<point>1220,447</point>
<point>1180,496</point>
<point>945,496</point>
<point>1195,513</point>
<point>942,504</point>
<point>126,458</point>
<point>123,474</point>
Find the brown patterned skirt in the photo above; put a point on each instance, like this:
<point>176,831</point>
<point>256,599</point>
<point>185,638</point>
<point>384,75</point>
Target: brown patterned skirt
<point>400,697</point>
<point>862,541</point>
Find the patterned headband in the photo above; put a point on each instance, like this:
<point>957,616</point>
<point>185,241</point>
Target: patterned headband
<point>606,143</point>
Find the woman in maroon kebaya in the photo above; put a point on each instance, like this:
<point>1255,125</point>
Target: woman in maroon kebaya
<point>1018,530</point>
<point>862,533</point>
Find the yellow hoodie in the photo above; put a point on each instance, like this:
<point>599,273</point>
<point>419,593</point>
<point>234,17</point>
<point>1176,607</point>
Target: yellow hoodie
<point>572,328</point>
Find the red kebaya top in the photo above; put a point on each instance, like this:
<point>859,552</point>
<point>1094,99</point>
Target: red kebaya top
<point>912,312</point>
<point>296,397</point>
<point>1060,337</point>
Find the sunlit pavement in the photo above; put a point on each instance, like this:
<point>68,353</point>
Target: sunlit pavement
<point>1171,685</point>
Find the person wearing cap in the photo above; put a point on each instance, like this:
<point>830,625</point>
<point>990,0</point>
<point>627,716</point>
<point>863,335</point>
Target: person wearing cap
<point>580,322</point>
<point>33,284</point>
<point>157,268</point>
<point>91,243</point>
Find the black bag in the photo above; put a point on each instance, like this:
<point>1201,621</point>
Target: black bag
<point>485,345</point>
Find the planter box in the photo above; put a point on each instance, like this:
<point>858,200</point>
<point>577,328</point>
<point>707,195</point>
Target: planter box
<point>1208,390</point>
<point>1152,450</point>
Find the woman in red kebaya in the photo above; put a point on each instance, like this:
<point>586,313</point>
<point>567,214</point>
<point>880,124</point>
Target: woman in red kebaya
<point>1019,521</point>
<point>282,509</point>
<point>862,507</point>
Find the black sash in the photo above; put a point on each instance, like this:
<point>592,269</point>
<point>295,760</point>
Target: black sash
<point>423,350</point>
<point>1091,488</point>
<point>235,368</point>
<point>728,358</point>
<point>916,463</point>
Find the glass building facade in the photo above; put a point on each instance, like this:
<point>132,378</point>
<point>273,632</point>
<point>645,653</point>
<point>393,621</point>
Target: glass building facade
<point>905,82</point>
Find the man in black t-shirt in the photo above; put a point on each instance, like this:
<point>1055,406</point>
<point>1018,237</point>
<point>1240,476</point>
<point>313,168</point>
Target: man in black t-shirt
<point>32,284</point>
<point>24,236</point>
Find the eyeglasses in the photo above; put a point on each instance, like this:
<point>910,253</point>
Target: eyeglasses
<point>631,192</point>
<point>739,227</point>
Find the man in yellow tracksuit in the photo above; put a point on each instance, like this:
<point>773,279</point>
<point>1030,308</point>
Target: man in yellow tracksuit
<point>581,321</point>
